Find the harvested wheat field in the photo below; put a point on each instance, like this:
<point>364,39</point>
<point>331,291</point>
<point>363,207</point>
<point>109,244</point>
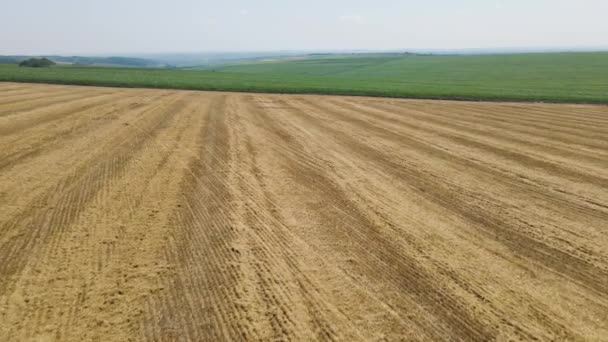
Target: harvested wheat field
<point>130,214</point>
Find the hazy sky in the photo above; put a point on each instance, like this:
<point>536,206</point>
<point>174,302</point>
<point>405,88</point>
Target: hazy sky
<point>142,26</point>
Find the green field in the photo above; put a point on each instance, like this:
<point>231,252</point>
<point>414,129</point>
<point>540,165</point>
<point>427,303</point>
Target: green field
<point>555,77</point>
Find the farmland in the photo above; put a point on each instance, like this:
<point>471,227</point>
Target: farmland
<point>549,77</point>
<point>169,214</point>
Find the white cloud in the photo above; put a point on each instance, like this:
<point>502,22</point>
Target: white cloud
<point>244,11</point>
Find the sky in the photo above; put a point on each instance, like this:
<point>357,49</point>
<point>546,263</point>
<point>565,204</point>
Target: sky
<point>181,26</point>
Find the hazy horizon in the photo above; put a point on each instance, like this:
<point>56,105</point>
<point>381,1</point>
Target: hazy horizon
<point>271,53</point>
<point>187,26</point>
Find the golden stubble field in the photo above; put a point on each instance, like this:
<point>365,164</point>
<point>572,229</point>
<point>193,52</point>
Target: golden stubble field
<point>129,214</point>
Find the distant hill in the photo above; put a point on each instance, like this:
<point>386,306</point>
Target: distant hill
<point>110,61</point>
<point>119,61</point>
<point>8,60</point>
<point>96,61</point>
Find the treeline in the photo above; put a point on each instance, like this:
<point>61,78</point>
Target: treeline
<point>88,61</point>
<point>37,63</point>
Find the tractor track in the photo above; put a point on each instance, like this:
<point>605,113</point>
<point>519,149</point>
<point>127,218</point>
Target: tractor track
<point>132,214</point>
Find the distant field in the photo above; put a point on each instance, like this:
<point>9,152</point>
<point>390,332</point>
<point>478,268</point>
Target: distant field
<point>559,77</point>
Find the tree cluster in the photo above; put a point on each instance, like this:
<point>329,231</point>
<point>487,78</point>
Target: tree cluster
<point>37,63</point>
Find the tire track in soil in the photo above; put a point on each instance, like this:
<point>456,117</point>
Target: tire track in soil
<point>410,131</point>
<point>279,258</point>
<point>18,89</point>
<point>177,215</point>
<point>526,335</point>
<point>70,197</point>
<point>500,229</point>
<point>476,129</point>
<point>119,244</point>
<point>497,118</point>
<point>30,101</point>
<point>278,320</point>
<point>527,159</point>
<point>25,185</point>
<point>40,116</point>
<point>511,180</point>
<point>31,104</point>
<point>28,144</point>
<point>385,262</point>
<point>200,249</point>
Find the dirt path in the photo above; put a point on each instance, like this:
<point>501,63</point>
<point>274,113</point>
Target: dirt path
<point>132,214</point>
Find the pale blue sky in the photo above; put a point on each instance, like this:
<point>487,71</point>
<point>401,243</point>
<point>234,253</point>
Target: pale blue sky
<point>147,26</point>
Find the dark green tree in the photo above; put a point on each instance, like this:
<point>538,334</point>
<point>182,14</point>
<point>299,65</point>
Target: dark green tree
<point>37,63</point>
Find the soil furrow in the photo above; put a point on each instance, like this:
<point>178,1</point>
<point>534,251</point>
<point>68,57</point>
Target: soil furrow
<point>141,214</point>
<point>558,260</point>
